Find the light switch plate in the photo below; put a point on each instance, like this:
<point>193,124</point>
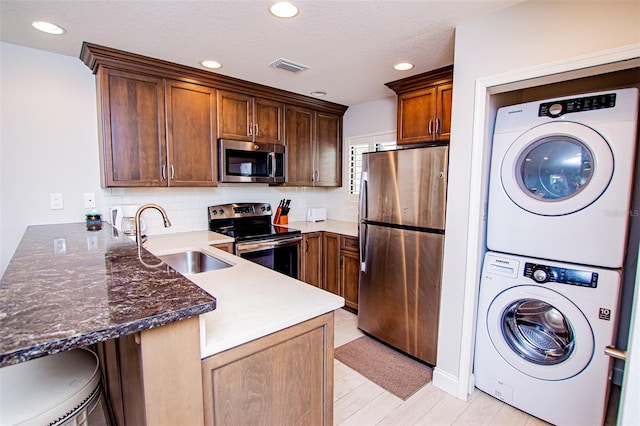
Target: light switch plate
<point>56,201</point>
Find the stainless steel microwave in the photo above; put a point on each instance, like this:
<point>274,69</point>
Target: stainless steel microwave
<point>241,161</point>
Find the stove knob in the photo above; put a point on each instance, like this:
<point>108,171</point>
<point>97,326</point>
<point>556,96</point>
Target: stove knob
<point>221,211</point>
<point>263,208</point>
<point>268,208</point>
<point>214,212</point>
<point>540,275</point>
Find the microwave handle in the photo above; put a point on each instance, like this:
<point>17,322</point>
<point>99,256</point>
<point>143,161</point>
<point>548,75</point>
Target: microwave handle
<point>272,164</point>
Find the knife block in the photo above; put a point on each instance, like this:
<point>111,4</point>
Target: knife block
<point>282,220</point>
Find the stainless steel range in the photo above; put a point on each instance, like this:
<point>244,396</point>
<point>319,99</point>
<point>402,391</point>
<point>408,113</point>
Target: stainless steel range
<point>256,239</point>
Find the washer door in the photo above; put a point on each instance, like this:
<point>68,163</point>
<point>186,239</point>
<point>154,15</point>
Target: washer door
<point>540,333</point>
<point>557,168</point>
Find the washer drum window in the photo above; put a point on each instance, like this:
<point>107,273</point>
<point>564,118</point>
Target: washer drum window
<point>538,332</point>
<point>557,168</point>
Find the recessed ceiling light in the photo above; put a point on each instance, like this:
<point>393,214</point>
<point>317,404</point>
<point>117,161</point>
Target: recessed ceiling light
<point>283,9</point>
<point>211,64</point>
<point>403,66</point>
<point>48,27</point>
<point>318,93</point>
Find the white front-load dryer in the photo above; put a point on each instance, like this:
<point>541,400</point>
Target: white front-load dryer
<point>561,178</point>
<point>542,329</point>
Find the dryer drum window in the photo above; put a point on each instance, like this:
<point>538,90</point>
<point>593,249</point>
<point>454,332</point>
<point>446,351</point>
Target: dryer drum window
<point>538,332</point>
<point>555,168</point>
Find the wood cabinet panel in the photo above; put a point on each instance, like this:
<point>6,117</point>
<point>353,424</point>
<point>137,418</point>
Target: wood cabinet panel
<point>349,275</point>
<point>416,111</point>
<point>247,118</point>
<point>268,118</point>
<point>283,378</point>
<point>328,150</point>
<point>331,261</point>
<point>314,147</point>
<point>191,112</point>
<point>132,127</point>
<point>299,136</point>
<point>235,116</point>
<point>312,259</point>
<point>424,106</point>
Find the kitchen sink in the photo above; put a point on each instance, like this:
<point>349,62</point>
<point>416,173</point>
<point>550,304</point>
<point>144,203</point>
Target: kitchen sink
<point>193,262</point>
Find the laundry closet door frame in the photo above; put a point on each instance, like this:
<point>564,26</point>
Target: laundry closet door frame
<point>582,66</point>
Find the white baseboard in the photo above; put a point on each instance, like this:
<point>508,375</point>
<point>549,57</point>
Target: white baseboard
<point>447,382</point>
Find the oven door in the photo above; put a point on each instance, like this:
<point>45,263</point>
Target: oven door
<point>282,255</point>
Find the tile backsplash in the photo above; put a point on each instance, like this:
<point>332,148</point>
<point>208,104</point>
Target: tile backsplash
<point>187,207</point>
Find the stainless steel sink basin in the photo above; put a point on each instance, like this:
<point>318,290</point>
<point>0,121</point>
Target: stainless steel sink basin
<point>193,262</point>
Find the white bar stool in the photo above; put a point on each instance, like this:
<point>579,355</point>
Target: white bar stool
<point>58,389</point>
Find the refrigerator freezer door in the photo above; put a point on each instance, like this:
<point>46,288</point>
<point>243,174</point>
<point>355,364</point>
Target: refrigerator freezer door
<point>405,187</point>
<point>399,296</point>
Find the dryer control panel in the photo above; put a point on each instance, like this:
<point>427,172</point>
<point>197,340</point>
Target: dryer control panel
<point>543,273</point>
<point>567,106</point>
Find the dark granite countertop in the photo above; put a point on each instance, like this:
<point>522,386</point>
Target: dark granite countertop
<point>67,287</point>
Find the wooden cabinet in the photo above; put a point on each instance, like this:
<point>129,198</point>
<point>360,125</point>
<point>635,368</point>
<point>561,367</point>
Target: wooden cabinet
<point>314,147</point>
<point>159,122</point>
<point>155,132</point>
<point>331,262</point>
<point>284,378</point>
<point>131,108</point>
<point>311,259</point>
<point>349,271</point>
<point>424,106</point>
<point>191,152</point>
<point>248,118</point>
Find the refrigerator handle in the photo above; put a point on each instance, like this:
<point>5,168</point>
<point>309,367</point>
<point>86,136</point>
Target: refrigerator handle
<point>363,244</point>
<point>362,215</point>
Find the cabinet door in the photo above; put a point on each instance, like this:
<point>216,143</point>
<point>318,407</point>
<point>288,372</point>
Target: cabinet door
<point>312,259</point>
<point>191,113</point>
<point>268,117</point>
<point>328,150</point>
<point>235,116</point>
<point>443,112</point>
<point>299,150</point>
<point>331,261</point>
<point>349,272</point>
<point>416,114</point>
<point>133,133</point>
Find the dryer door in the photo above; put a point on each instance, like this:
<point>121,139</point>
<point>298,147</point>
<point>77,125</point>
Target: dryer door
<point>557,168</point>
<point>540,333</point>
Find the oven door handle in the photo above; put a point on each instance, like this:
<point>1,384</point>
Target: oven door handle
<point>265,245</point>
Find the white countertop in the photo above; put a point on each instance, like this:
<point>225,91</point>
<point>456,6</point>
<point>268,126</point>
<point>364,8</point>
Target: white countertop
<point>252,301</point>
<point>336,226</point>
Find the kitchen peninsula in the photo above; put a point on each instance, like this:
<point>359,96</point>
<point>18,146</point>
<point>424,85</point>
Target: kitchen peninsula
<point>67,287</point>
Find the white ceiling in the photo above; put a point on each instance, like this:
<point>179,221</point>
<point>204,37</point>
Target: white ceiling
<point>349,45</point>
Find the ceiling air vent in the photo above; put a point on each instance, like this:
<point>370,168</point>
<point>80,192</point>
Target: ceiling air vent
<point>287,65</point>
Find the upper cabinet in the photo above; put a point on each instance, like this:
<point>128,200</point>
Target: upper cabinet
<point>248,118</point>
<point>314,147</point>
<point>424,106</point>
<point>155,132</point>
<point>159,122</point>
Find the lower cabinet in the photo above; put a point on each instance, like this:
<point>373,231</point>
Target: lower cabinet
<point>330,261</point>
<point>284,378</point>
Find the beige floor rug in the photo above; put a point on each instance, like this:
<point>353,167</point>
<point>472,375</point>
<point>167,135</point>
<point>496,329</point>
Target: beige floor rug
<point>389,369</point>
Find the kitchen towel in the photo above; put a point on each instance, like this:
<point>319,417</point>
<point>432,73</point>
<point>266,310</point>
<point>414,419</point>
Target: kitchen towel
<point>386,367</point>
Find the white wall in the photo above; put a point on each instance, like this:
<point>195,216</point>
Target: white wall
<point>527,35</point>
<point>49,143</point>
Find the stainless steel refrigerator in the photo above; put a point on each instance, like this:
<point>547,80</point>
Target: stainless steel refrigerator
<point>401,227</point>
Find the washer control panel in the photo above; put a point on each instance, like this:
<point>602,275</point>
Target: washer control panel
<point>543,274</point>
<point>567,106</point>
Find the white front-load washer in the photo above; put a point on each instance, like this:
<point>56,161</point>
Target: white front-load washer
<point>541,333</point>
<point>561,178</point>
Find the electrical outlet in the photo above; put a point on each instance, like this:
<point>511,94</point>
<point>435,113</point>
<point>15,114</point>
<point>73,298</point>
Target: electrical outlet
<point>89,200</point>
<point>56,201</point>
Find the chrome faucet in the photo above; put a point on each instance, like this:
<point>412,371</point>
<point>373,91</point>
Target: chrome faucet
<point>167,222</point>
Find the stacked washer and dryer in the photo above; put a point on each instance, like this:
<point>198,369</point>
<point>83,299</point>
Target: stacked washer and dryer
<point>559,202</point>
